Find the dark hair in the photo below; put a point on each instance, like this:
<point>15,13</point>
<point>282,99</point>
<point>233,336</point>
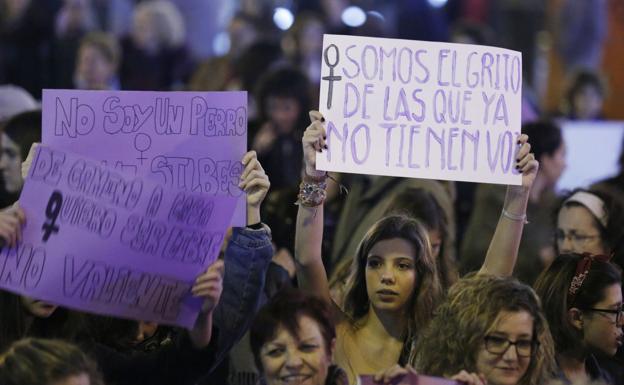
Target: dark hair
<point>471,310</point>
<point>480,34</point>
<point>41,361</point>
<point>13,325</point>
<point>427,292</point>
<point>284,310</point>
<point>611,235</point>
<point>422,205</point>
<point>580,79</point>
<point>24,129</point>
<point>545,137</point>
<point>285,82</point>
<point>553,285</point>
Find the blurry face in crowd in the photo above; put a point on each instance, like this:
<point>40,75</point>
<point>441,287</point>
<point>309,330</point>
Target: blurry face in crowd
<point>11,165</point>
<point>390,274</point>
<point>144,32</point>
<point>94,70</point>
<point>37,308</point>
<point>578,232</point>
<point>504,366</point>
<point>311,39</point>
<point>283,112</point>
<point>80,379</point>
<point>242,35</point>
<point>552,166</point>
<point>587,102</point>
<point>296,360</point>
<point>602,331</point>
<point>436,242</point>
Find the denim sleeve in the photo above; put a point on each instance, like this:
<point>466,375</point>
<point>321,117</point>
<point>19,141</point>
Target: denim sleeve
<point>247,259</point>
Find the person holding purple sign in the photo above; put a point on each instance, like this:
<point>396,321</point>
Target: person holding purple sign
<point>247,257</point>
<point>394,287</point>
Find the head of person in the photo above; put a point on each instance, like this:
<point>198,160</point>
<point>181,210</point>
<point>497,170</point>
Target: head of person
<point>97,61</point>
<point>157,25</point>
<point>47,362</point>
<point>284,99</point>
<point>394,271</point>
<point>20,132</point>
<point>21,316</point>
<point>582,298</point>
<point>585,95</point>
<point>489,325</point>
<point>292,340</point>
<point>590,221</point>
<point>13,101</point>
<point>422,205</point>
<point>548,147</point>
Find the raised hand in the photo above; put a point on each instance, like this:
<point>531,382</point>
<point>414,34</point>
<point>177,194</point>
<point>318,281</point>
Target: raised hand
<point>209,286</point>
<point>255,183</point>
<point>313,141</point>
<point>11,221</point>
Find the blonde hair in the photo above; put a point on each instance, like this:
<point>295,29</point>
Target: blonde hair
<point>427,292</point>
<point>167,20</point>
<point>471,310</point>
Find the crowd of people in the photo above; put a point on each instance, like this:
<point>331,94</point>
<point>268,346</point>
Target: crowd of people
<point>334,276</point>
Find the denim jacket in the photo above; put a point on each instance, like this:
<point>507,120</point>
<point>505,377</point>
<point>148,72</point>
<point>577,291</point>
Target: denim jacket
<point>247,259</point>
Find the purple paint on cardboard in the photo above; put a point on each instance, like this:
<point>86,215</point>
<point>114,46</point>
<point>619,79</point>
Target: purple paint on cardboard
<point>167,135</point>
<point>121,245</point>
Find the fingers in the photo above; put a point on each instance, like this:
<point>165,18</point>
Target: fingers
<point>469,378</point>
<point>11,222</point>
<point>249,155</point>
<point>391,374</point>
<point>524,161</point>
<point>315,115</point>
<point>251,163</point>
<point>262,183</point>
<point>210,282</point>
<point>315,136</point>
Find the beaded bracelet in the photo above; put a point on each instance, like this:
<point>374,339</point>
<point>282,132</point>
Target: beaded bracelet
<point>311,194</point>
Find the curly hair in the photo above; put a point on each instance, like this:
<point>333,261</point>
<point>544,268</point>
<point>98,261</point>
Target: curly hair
<point>43,361</point>
<point>468,314</point>
<point>427,292</point>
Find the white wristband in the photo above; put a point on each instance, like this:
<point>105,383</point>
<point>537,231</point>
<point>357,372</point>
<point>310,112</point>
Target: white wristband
<point>514,217</point>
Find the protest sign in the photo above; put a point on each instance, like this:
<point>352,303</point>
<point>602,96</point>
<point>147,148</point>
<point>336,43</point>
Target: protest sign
<point>410,379</point>
<point>107,242</point>
<point>420,109</point>
<point>193,141</point>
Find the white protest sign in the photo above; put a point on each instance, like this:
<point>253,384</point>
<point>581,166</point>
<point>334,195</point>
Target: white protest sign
<point>420,109</point>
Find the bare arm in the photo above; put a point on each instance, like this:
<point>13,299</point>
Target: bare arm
<point>503,250</point>
<point>309,228</point>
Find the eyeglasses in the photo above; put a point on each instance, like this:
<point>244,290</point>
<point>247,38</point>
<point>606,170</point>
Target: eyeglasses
<point>618,313</point>
<point>575,238</point>
<point>499,345</point>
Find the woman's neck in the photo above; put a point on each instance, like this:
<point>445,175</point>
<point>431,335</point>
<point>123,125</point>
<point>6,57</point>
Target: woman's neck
<point>540,185</point>
<point>572,364</point>
<point>381,324</point>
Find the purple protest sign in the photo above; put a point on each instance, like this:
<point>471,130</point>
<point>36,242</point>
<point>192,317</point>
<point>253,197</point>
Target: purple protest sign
<point>410,379</point>
<point>107,242</point>
<point>192,141</point>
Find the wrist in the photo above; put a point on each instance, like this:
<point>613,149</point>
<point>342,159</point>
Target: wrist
<point>253,215</point>
<point>314,173</point>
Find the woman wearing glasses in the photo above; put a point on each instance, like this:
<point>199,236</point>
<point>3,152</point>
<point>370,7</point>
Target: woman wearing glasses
<point>582,299</point>
<point>591,221</point>
<point>489,329</point>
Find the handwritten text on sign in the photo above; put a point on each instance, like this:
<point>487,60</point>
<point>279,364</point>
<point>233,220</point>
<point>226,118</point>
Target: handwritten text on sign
<point>104,241</point>
<point>192,141</point>
<point>420,109</point>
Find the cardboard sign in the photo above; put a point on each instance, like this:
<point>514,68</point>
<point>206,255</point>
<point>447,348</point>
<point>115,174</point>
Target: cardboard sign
<point>107,242</point>
<point>410,379</point>
<point>193,141</point>
<point>420,109</point>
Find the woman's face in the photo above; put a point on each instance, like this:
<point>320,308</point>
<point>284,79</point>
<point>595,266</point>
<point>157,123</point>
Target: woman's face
<point>283,112</point>
<point>602,331</point>
<point>587,102</point>
<point>390,274</point>
<point>11,165</point>
<point>37,308</point>
<point>296,360</point>
<point>552,166</point>
<point>506,366</point>
<point>93,69</point>
<point>577,232</point>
